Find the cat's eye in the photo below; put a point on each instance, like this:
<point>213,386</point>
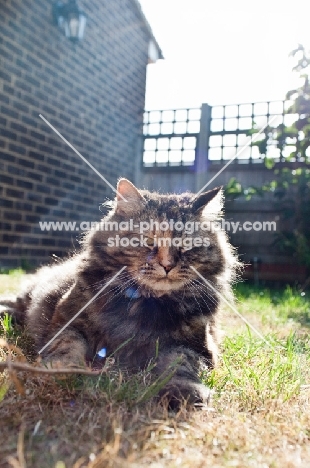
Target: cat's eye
<point>150,241</point>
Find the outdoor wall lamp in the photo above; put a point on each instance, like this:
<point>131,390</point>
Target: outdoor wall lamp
<point>69,18</point>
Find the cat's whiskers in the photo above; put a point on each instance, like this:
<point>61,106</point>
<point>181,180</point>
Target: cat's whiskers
<point>193,287</point>
<point>121,289</point>
<point>203,285</point>
<point>194,296</point>
<point>117,289</point>
<point>98,284</point>
<point>184,290</point>
<point>200,286</point>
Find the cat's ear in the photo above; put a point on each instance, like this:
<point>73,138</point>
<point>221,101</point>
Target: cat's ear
<point>209,203</point>
<point>128,200</point>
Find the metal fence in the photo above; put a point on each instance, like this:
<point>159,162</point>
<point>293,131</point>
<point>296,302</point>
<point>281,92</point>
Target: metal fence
<point>171,136</point>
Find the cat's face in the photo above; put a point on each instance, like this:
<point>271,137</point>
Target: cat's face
<point>158,238</point>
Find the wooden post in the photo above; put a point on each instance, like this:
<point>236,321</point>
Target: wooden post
<point>202,147</point>
<point>138,176</point>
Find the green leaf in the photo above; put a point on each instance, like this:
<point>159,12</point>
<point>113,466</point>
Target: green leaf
<point>269,162</point>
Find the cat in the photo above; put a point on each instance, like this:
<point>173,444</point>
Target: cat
<point>156,308</point>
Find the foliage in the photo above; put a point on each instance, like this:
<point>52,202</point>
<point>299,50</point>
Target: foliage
<point>291,184</point>
<point>233,189</point>
<point>6,323</point>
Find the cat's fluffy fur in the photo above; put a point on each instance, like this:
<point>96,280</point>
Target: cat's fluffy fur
<point>158,300</point>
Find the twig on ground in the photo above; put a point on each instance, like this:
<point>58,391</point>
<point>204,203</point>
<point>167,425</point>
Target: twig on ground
<point>18,366</point>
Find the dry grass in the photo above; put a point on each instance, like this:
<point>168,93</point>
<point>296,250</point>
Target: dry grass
<point>259,416</point>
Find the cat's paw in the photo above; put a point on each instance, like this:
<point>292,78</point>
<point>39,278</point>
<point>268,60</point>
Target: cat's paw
<point>184,393</point>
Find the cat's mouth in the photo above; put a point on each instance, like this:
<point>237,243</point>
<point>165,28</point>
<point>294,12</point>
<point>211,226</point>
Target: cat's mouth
<point>161,281</point>
<point>167,284</point>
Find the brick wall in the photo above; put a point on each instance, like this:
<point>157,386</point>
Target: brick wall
<point>92,92</point>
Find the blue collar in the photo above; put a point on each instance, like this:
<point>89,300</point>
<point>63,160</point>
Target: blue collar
<point>132,293</point>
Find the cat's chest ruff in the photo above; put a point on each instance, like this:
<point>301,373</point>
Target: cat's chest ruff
<point>137,303</point>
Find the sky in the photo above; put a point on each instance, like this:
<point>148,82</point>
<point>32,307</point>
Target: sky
<point>223,51</point>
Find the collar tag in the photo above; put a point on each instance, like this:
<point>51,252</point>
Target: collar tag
<point>132,293</point>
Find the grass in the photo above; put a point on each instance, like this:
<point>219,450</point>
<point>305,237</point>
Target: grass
<point>259,416</point>
<point>10,282</point>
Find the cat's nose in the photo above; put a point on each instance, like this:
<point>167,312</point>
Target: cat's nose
<point>166,259</point>
<point>167,266</point>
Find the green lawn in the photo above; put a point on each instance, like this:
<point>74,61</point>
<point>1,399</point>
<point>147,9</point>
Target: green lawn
<point>259,415</point>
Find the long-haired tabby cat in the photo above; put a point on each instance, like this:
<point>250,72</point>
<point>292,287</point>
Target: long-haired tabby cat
<point>158,304</point>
